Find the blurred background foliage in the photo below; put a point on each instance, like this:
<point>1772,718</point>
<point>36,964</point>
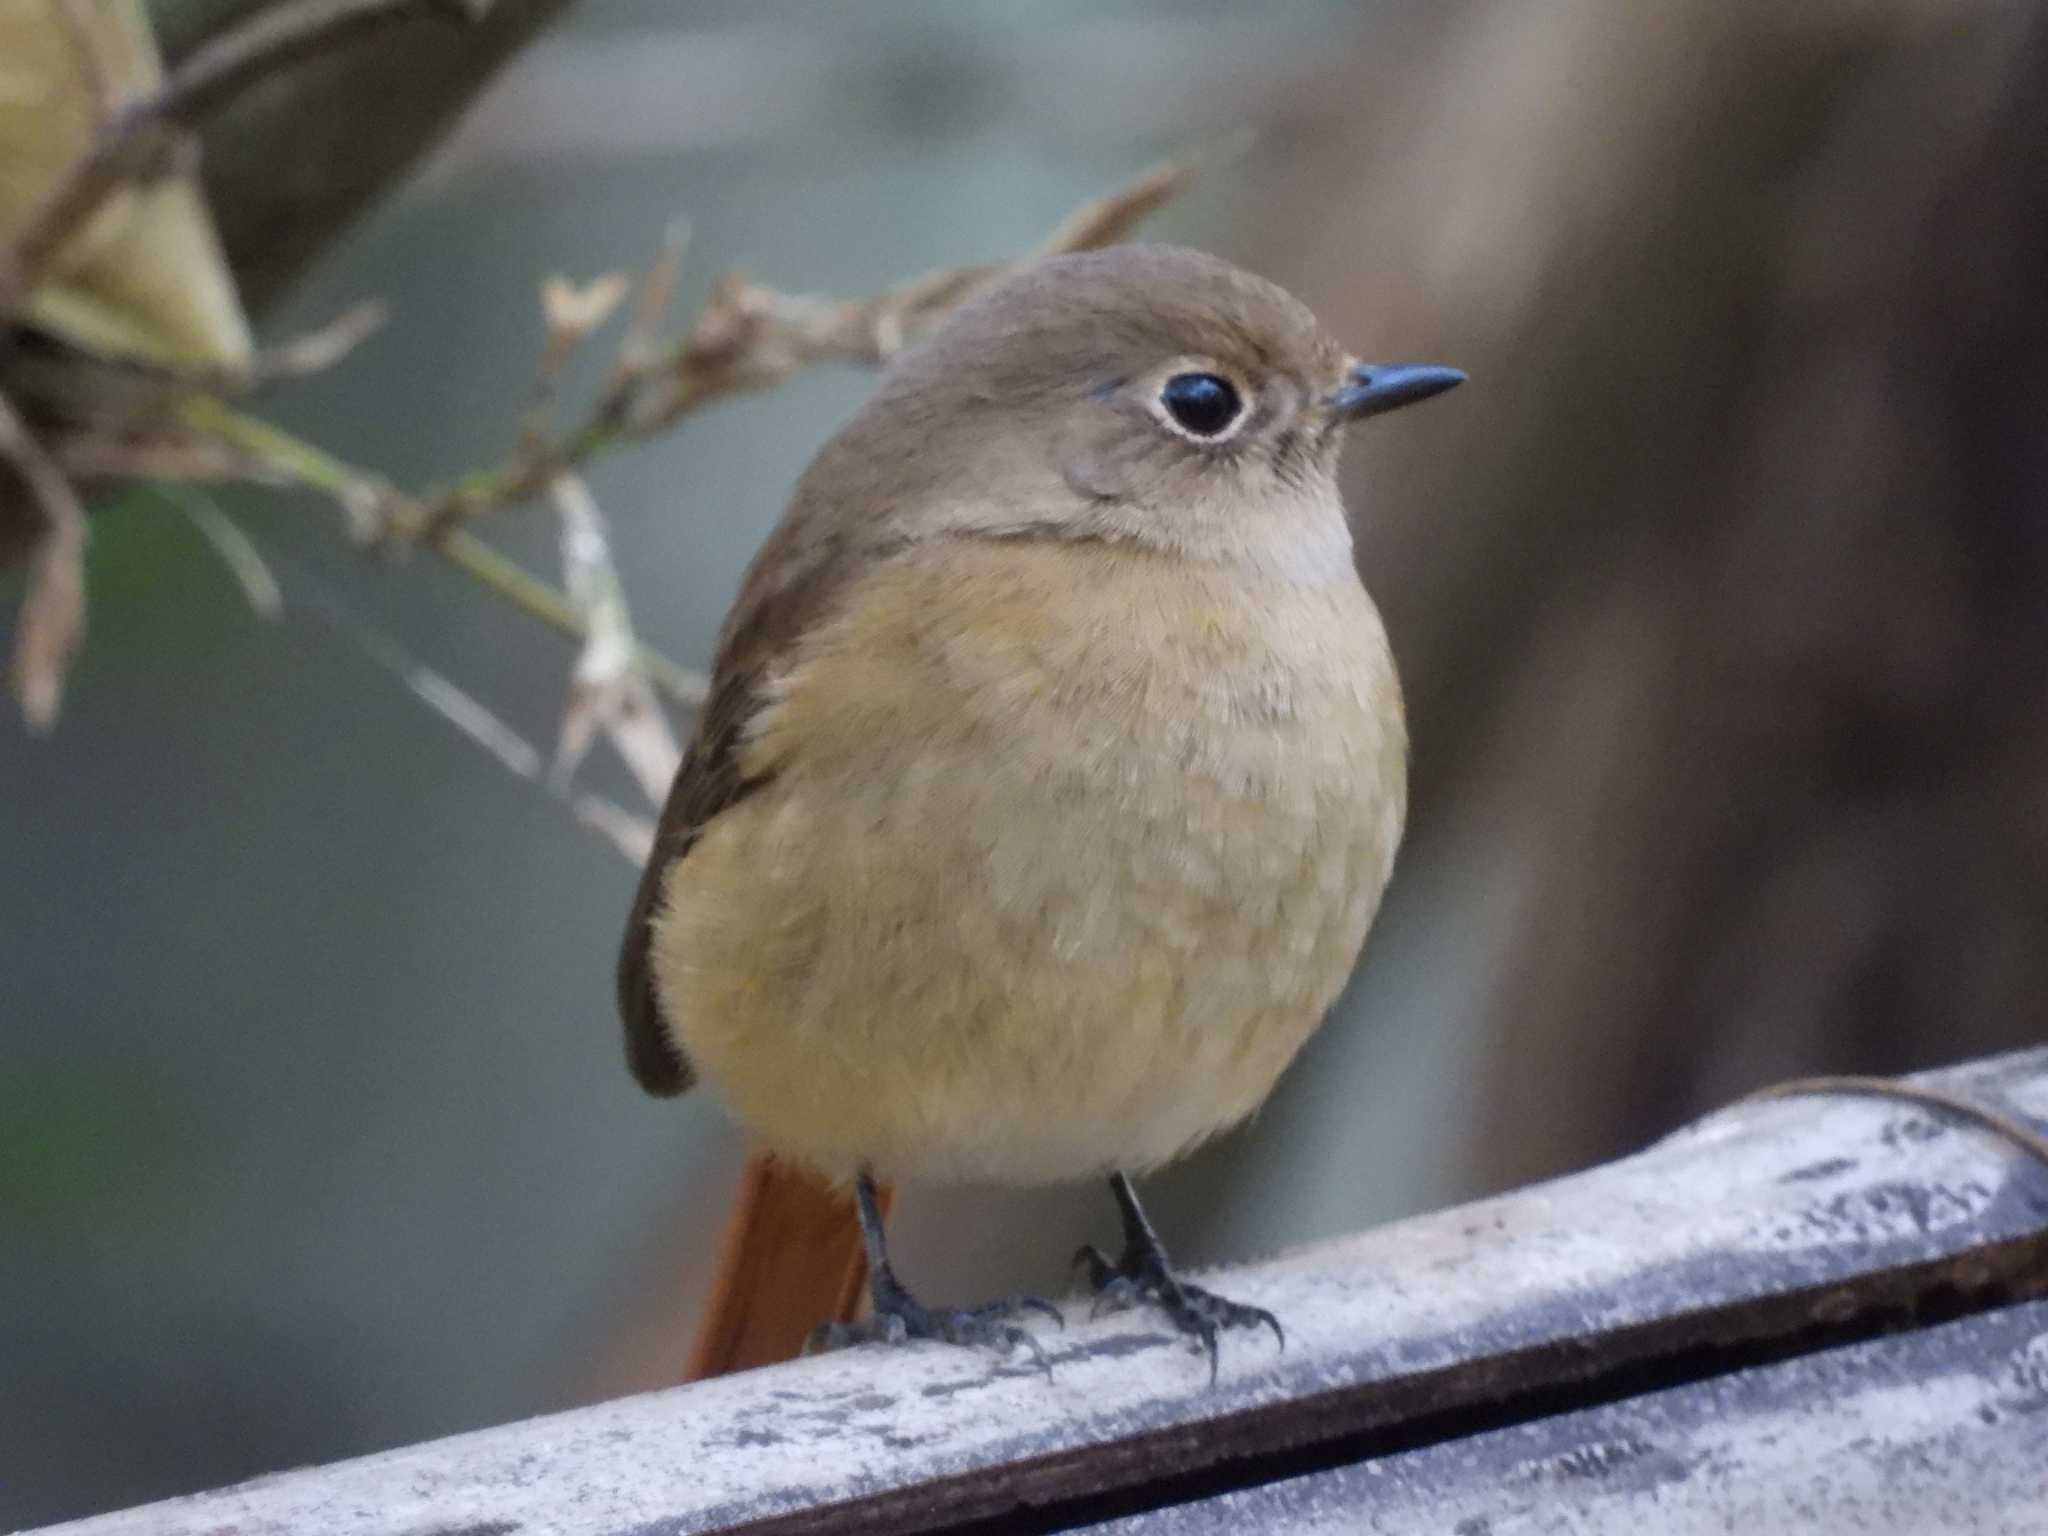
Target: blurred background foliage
<point>1721,594</point>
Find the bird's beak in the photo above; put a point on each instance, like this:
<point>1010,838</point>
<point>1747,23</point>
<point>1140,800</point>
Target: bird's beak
<point>1378,387</point>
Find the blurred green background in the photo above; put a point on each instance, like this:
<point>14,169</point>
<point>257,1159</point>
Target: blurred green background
<point>1722,596</point>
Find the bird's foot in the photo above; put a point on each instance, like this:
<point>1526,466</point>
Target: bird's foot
<point>900,1317</point>
<point>1142,1277</point>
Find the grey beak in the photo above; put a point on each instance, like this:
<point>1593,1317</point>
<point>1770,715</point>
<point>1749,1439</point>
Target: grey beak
<point>1380,387</point>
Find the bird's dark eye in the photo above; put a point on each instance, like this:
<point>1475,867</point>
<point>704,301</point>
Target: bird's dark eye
<point>1203,404</point>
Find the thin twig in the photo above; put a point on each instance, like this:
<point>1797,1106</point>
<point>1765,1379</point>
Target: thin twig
<point>607,692</point>
<point>571,313</point>
<point>1113,217</point>
<point>476,720</point>
<point>290,459</point>
<point>1958,1106</point>
<point>632,835</point>
<point>750,338</point>
<point>483,564</point>
<point>650,307</point>
<point>237,551</point>
<point>124,451</point>
<point>135,142</point>
<point>301,463</point>
<point>135,443</point>
<point>317,350</point>
<point>747,338</point>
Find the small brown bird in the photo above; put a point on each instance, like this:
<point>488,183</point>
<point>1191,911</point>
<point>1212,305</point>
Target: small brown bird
<point>1053,767</point>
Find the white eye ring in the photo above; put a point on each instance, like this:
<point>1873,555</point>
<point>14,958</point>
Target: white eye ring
<point>1201,403</point>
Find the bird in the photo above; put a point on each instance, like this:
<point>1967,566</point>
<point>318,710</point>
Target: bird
<point>1053,767</point>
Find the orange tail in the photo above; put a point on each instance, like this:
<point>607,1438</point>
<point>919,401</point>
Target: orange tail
<point>791,1258</point>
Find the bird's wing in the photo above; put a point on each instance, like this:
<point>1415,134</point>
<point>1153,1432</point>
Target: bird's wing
<point>708,782</point>
<point>793,580</point>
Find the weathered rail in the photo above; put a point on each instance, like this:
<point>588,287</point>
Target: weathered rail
<point>1802,1307</point>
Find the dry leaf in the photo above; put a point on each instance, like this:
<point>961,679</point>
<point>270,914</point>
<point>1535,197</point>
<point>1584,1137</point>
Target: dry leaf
<point>52,622</point>
<point>572,313</point>
<point>144,277</point>
<point>52,618</point>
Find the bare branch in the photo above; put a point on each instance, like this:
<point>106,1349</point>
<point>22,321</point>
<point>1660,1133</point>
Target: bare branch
<point>133,452</point>
<point>749,338</point>
<point>318,350</point>
<point>295,462</point>
<point>137,141</point>
<point>1109,219</point>
<point>607,692</point>
<point>310,352</point>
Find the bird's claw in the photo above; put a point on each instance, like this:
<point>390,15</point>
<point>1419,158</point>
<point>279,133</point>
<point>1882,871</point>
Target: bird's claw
<point>899,1318</point>
<point>1142,1278</point>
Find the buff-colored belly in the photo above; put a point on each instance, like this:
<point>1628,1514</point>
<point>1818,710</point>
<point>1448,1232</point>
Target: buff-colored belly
<point>1023,901</point>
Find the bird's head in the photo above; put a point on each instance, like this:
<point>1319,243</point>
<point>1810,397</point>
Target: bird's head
<point>1143,394</point>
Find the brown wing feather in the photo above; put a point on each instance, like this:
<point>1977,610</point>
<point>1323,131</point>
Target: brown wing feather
<point>707,783</point>
<point>792,579</point>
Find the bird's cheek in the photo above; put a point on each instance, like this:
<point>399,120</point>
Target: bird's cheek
<point>1099,463</point>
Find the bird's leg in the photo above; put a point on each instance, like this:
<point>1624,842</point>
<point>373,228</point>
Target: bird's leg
<point>900,1316</point>
<point>1142,1274</point>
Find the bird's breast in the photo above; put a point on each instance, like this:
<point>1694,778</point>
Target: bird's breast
<point>1062,851</point>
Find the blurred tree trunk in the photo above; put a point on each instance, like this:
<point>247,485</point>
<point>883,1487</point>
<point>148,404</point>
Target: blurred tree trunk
<point>1726,617</point>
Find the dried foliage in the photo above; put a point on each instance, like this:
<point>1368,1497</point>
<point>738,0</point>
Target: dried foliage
<point>52,618</point>
<point>122,266</point>
<point>183,423</point>
<point>750,338</point>
<point>139,139</point>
